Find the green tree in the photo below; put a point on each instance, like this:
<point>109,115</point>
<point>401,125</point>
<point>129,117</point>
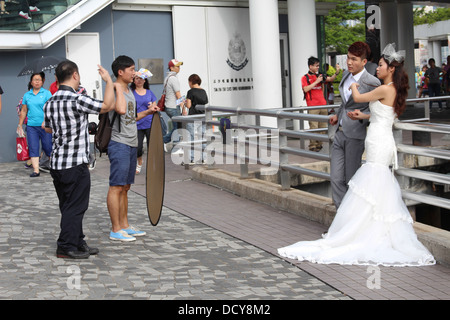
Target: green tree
<point>338,34</point>
<point>422,17</point>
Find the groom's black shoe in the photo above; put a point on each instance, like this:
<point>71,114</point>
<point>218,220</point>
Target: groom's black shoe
<point>86,248</point>
<point>72,254</point>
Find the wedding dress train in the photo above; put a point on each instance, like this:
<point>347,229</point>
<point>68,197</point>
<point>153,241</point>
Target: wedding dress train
<point>372,225</point>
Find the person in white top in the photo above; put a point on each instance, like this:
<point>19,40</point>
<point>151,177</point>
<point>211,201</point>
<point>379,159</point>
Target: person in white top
<point>172,89</point>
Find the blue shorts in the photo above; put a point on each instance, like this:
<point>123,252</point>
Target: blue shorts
<point>122,159</point>
<point>36,134</point>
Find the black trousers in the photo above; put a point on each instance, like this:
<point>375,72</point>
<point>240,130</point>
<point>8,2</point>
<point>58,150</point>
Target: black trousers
<point>24,5</point>
<point>73,187</point>
<point>434,90</point>
<point>141,134</point>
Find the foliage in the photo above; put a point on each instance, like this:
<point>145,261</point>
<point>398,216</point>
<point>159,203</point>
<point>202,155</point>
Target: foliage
<point>422,17</point>
<point>330,72</point>
<point>338,34</point>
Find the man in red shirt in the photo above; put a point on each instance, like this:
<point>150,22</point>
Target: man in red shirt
<point>312,85</point>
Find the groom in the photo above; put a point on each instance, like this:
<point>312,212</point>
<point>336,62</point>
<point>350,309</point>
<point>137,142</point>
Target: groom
<point>348,144</point>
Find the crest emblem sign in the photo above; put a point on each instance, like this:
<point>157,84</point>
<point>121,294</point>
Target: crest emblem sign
<point>237,53</point>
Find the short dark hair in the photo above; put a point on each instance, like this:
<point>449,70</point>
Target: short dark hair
<point>195,79</point>
<point>121,63</point>
<point>431,60</point>
<point>360,49</point>
<point>312,61</point>
<point>65,70</point>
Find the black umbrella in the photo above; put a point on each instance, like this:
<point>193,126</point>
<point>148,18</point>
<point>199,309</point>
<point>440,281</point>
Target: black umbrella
<point>41,64</point>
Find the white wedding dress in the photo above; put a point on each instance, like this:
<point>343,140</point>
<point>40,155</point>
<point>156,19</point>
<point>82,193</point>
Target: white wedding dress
<point>372,225</point>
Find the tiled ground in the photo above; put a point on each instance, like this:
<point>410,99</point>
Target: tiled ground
<point>209,244</point>
<point>268,228</point>
<point>181,258</point>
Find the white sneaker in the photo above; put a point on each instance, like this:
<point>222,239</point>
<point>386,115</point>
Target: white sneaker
<point>179,151</point>
<point>34,9</point>
<point>92,165</point>
<point>132,231</point>
<point>24,15</point>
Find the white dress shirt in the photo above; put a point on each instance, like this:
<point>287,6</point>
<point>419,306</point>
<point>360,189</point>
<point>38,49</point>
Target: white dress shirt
<point>348,82</point>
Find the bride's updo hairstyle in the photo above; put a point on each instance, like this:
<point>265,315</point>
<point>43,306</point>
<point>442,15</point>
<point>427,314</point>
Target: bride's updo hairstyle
<point>399,77</point>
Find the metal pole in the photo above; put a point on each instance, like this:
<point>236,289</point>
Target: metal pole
<point>285,176</point>
<point>208,134</point>
<point>242,147</point>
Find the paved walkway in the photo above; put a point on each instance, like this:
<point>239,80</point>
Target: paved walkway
<point>181,258</point>
<point>268,229</point>
<point>209,244</point>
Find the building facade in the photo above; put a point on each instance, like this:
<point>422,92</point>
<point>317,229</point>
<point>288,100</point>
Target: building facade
<point>249,54</point>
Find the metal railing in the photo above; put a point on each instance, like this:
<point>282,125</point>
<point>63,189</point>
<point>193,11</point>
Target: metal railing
<point>250,120</point>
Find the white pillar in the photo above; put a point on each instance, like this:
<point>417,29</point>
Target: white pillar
<point>406,42</point>
<point>302,45</point>
<point>266,61</point>
<point>437,55</point>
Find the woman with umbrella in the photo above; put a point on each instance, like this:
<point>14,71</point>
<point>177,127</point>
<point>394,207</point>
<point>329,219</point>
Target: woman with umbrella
<point>33,108</point>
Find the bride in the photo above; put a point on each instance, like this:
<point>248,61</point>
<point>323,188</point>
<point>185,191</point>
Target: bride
<point>372,225</point>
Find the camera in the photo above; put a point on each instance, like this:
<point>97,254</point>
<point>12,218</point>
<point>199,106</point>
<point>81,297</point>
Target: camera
<point>92,128</point>
<point>324,76</point>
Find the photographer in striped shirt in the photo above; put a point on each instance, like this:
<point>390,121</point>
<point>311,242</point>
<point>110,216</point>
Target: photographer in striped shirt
<point>66,117</point>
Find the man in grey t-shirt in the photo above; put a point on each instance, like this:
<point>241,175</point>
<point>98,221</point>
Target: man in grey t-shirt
<point>122,152</point>
<point>124,129</point>
<point>172,95</point>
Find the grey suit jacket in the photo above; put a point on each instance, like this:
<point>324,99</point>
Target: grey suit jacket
<point>355,129</point>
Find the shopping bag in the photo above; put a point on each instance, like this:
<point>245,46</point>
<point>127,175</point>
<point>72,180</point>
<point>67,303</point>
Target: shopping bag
<point>22,149</point>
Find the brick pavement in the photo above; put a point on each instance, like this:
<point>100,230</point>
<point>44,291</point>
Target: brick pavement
<point>269,228</point>
<point>181,258</point>
<point>209,245</point>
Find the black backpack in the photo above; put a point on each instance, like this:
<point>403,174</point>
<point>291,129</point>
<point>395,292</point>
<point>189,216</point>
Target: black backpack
<point>104,131</point>
<point>304,94</point>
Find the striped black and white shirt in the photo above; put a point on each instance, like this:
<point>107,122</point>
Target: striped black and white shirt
<point>66,113</point>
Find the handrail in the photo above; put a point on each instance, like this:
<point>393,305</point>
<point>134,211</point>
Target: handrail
<point>426,198</point>
<point>282,133</point>
<point>424,127</point>
<point>424,151</point>
<point>424,175</point>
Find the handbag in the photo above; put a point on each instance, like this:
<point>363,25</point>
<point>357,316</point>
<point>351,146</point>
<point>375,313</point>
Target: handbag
<point>22,149</point>
<point>162,100</point>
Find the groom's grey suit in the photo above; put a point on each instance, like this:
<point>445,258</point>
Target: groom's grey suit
<point>348,143</point>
